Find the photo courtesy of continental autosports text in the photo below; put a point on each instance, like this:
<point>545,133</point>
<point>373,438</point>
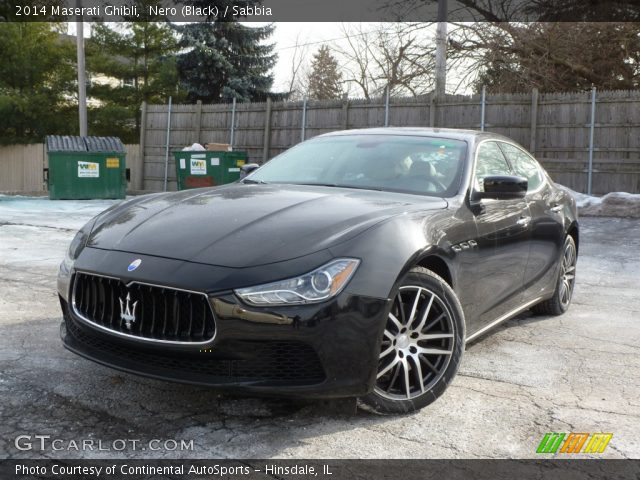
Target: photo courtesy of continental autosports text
<point>66,471</point>
<point>257,239</point>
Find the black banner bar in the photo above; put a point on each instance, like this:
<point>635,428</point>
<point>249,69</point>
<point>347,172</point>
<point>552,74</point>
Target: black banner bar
<point>321,469</point>
<point>321,11</point>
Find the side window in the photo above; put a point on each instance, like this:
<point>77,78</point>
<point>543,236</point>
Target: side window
<point>524,165</point>
<point>491,161</point>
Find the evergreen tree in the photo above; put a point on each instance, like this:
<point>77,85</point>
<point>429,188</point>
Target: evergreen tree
<point>225,60</point>
<point>140,56</point>
<point>324,78</point>
<point>36,82</point>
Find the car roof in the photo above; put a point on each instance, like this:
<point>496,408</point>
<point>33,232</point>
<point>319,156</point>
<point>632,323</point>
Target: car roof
<point>450,133</point>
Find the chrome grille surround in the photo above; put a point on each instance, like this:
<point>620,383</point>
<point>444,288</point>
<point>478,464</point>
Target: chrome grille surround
<point>95,300</point>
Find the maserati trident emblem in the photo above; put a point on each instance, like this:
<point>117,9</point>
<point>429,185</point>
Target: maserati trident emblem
<point>128,312</point>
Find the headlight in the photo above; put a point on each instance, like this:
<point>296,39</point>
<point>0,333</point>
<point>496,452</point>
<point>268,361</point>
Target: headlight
<point>73,252</point>
<point>77,244</point>
<point>317,286</point>
<point>79,241</point>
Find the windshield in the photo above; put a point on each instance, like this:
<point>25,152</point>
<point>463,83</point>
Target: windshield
<point>411,164</point>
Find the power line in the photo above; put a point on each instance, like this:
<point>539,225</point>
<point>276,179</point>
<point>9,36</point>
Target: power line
<point>324,41</point>
<point>346,37</point>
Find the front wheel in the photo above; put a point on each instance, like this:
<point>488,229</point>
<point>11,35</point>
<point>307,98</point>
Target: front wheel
<point>421,347</point>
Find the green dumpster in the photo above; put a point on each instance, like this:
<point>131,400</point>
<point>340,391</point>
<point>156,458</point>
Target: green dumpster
<point>195,169</point>
<point>86,167</point>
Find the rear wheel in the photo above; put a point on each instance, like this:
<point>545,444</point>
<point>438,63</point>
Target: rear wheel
<point>561,300</point>
<point>421,347</point>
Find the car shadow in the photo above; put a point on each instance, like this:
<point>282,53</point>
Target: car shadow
<point>524,318</point>
<point>58,393</point>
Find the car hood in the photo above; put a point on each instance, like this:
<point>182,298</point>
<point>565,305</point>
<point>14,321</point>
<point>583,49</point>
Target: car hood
<point>242,225</point>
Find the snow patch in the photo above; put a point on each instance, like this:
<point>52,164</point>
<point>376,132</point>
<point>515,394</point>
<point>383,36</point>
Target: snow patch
<point>42,212</point>
<point>36,230</point>
<point>614,204</point>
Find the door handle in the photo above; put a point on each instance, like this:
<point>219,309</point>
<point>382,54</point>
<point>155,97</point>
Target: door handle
<point>556,208</point>
<point>523,221</point>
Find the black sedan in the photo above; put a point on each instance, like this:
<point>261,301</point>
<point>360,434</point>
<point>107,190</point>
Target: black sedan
<point>356,264</point>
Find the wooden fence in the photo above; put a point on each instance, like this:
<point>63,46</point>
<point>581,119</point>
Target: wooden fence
<point>555,127</point>
<point>21,168</point>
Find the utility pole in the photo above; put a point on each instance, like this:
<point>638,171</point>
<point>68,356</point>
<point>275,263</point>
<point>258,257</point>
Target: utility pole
<point>441,50</point>
<point>82,81</point>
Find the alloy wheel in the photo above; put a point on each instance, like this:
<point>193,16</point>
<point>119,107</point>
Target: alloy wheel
<point>417,344</point>
<point>567,274</point>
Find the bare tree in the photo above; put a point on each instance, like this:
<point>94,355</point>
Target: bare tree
<point>400,56</point>
<point>518,10</point>
<point>297,86</point>
<point>549,56</point>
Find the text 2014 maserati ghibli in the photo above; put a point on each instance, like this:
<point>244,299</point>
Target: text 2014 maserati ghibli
<point>356,264</point>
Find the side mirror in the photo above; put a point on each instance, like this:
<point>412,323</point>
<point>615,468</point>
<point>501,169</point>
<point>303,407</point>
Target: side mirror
<point>501,187</point>
<point>247,169</point>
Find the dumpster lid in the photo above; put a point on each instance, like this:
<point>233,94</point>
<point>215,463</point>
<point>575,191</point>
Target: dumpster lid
<point>69,143</point>
<point>59,143</point>
<point>104,144</point>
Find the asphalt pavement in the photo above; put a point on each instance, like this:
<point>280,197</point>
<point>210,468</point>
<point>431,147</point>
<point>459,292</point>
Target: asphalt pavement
<point>533,375</point>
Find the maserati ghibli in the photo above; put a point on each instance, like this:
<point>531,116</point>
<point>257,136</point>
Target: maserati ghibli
<point>356,264</point>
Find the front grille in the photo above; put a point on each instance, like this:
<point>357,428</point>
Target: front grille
<point>275,362</point>
<point>163,314</point>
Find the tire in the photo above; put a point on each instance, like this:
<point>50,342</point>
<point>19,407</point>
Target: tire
<point>561,299</point>
<point>411,371</point>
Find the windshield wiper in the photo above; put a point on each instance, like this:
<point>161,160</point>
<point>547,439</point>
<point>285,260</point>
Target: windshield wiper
<point>250,181</point>
<point>337,185</point>
<point>319,184</point>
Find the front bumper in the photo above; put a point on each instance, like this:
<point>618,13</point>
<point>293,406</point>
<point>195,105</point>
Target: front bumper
<point>325,350</point>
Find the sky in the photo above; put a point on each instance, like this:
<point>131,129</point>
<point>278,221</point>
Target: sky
<point>313,35</point>
<point>284,39</point>
<point>286,35</point>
